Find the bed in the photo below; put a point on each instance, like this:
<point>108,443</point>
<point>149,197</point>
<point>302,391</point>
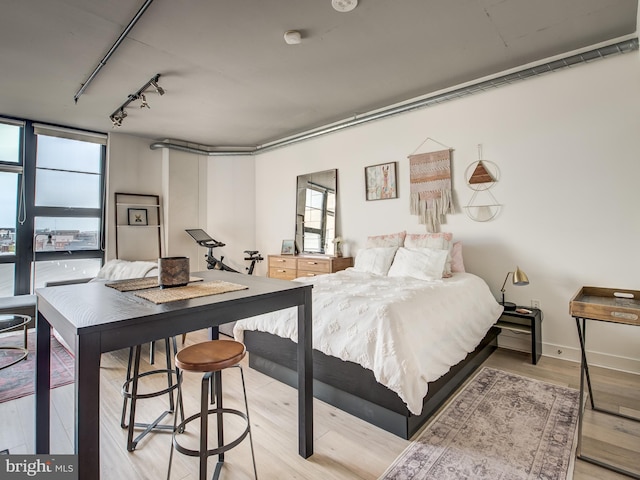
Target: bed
<point>388,347</point>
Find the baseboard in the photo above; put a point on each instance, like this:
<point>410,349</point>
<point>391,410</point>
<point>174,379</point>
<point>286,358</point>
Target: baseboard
<point>596,359</point>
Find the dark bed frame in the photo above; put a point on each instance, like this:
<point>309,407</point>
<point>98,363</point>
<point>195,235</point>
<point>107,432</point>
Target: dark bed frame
<point>351,388</point>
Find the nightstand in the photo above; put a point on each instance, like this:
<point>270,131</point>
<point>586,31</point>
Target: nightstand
<point>530,323</point>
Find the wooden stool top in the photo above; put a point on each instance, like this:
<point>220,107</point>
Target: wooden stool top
<point>210,356</point>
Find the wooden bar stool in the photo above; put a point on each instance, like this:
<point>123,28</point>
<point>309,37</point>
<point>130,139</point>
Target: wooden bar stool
<point>211,357</point>
<point>130,392</point>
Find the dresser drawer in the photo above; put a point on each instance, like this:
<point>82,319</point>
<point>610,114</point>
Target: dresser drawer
<point>319,265</point>
<point>282,262</point>
<point>282,273</point>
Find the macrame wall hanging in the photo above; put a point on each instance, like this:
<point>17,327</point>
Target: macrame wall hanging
<point>481,176</point>
<point>430,177</point>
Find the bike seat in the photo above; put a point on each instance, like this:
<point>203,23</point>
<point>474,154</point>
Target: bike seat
<point>251,252</point>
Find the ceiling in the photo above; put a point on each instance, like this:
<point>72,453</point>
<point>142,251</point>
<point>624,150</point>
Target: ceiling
<point>231,80</point>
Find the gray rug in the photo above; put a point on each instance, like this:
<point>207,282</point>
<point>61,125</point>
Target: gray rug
<point>501,426</point>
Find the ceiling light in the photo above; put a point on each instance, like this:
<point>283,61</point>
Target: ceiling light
<point>344,5</point>
<point>154,82</point>
<point>292,37</point>
<point>143,101</point>
<point>120,113</point>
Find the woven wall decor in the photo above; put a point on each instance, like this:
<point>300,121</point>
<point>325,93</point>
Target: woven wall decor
<point>481,177</point>
<point>430,178</point>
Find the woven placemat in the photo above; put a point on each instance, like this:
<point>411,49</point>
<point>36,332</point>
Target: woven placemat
<point>133,284</point>
<point>190,291</point>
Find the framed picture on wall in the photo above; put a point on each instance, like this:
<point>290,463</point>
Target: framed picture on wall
<point>380,181</point>
<point>137,216</point>
<point>288,247</point>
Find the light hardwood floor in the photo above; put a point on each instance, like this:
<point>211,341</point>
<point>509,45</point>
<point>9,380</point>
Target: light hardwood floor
<point>345,447</point>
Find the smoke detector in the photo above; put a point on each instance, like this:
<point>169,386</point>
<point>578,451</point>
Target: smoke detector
<point>292,37</point>
<point>344,5</point>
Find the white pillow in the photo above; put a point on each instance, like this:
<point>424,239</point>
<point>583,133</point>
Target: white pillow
<point>439,241</point>
<point>421,263</point>
<point>374,260</point>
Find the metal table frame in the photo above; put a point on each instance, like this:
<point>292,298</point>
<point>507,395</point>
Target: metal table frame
<point>584,373</point>
<point>94,319</point>
<point>23,321</point>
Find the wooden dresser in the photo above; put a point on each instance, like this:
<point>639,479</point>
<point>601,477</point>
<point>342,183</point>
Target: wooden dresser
<point>288,267</point>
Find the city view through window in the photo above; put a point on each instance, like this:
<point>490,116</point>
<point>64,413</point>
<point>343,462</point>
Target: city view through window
<point>50,224</point>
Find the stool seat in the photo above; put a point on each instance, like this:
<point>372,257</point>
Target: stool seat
<point>211,356</point>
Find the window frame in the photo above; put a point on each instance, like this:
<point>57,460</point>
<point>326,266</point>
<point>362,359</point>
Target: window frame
<point>25,231</point>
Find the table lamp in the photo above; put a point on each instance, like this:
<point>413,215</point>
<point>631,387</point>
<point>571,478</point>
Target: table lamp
<point>519,278</point>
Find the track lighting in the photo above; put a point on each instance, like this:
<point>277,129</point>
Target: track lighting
<point>154,82</point>
<point>120,113</point>
<point>143,101</point>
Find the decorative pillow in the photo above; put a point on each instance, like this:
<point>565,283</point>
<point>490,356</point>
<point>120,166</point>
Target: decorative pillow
<point>457,265</point>
<point>374,260</point>
<point>421,263</point>
<point>438,241</point>
<point>390,240</point>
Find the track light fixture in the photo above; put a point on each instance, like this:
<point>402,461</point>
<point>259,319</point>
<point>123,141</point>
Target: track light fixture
<point>120,113</point>
<point>143,101</point>
<point>154,82</point>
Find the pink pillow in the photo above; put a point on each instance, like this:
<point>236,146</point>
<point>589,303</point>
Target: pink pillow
<point>389,240</point>
<point>457,265</point>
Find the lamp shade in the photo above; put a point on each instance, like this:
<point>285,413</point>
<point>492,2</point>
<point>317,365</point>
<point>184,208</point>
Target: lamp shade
<point>520,278</point>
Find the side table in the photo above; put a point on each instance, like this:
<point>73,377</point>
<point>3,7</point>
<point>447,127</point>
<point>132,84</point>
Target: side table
<point>530,323</point>
<point>614,306</point>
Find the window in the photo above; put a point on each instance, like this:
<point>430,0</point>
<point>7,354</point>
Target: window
<point>52,183</point>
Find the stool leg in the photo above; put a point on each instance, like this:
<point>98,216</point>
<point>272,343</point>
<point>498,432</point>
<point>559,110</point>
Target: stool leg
<point>125,399</point>
<point>246,406</point>
<point>167,350</point>
<point>175,421</point>
<point>178,397</point>
<point>131,445</point>
<point>204,425</point>
<point>217,376</point>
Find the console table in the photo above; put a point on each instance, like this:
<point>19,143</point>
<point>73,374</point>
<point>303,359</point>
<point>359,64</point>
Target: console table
<point>95,319</point>
<point>605,305</point>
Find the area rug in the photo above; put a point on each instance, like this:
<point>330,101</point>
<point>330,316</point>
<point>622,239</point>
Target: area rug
<point>500,426</point>
<point>18,380</point>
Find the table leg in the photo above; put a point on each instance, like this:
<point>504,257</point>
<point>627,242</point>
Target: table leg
<point>87,405</point>
<point>305,377</point>
<point>582,335</point>
<point>43,384</point>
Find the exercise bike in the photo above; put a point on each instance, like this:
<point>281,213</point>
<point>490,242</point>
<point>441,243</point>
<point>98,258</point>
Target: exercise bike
<point>203,239</point>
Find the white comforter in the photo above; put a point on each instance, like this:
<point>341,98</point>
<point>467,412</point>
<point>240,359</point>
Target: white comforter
<point>409,332</point>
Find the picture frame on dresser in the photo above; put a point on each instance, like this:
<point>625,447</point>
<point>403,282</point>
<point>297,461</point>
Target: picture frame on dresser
<point>288,247</point>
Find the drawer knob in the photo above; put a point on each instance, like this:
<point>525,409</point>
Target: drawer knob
<point>312,263</point>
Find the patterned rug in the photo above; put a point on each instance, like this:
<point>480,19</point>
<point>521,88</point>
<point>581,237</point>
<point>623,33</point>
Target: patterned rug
<point>500,426</point>
<point>18,380</point>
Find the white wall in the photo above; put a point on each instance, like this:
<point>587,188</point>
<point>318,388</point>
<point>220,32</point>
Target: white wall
<point>131,168</point>
<point>213,193</point>
<point>567,147</point>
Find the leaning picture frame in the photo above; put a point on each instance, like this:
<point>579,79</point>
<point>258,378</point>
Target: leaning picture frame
<point>288,247</point>
<point>380,181</point>
<point>137,216</point>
